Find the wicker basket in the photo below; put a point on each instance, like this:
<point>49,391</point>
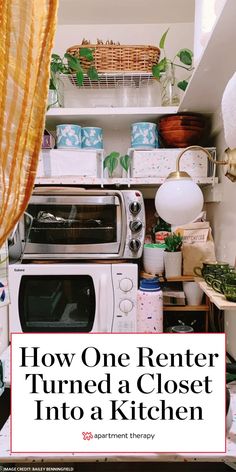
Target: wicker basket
<point>117,58</point>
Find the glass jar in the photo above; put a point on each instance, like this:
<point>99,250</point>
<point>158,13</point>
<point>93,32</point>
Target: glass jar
<point>126,93</point>
<point>169,89</point>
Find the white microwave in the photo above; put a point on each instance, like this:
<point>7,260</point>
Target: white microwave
<point>73,297</point>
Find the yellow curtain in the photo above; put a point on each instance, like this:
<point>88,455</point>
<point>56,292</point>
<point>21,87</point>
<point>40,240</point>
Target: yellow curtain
<point>27,30</point>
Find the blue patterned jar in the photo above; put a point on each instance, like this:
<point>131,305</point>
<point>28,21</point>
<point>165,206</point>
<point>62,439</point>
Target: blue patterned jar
<point>68,136</point>
<point>144,135</point>
<point>92,137</point>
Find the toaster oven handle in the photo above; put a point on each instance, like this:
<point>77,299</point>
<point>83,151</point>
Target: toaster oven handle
<point>103,305</point>
<point>31,219</point>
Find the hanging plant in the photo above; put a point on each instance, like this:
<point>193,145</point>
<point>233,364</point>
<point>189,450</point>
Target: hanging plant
<point>69,64</point>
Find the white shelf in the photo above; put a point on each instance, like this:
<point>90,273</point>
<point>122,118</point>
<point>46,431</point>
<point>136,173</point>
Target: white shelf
<point>216,66</point>
<point>216,298</point>
<point>111,117</point>
<point>119,181</point>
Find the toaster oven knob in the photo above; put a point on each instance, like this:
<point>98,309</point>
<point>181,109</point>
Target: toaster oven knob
<point>126,285</point>
<point>134,245</point>
<point>136,226</point>
<point>126,306</point>
<point>135,208</point>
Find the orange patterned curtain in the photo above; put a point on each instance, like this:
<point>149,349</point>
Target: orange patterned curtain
<point>27,30</point>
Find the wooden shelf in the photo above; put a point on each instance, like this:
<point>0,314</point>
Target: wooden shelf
<point>181,278</point>
<point>186,308</point>
<point>216,298</point>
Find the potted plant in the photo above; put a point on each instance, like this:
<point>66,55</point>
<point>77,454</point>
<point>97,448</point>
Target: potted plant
<point>68,64</point>
<point>173,255</point>
<point>164,71</point>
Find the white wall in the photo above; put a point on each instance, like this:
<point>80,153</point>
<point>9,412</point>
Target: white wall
<point>179,36</point>
<point>223,220</point>
<point>206,14</point>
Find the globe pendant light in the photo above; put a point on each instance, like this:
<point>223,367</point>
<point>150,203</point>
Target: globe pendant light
<point>180,200</point>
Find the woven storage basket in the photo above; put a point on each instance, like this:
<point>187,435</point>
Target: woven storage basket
<point>117,58</point>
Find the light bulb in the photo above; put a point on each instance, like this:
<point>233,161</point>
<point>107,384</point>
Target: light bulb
<point>179,201</point>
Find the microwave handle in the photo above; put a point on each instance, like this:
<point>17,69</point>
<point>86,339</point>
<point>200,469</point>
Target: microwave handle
<point>103,305</point>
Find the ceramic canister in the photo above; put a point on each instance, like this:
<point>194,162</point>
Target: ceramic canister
<point>150,306</point>
<point>92,138</point>
<point>153,258</point>
<point>68,136</point>
<point>144,135</point>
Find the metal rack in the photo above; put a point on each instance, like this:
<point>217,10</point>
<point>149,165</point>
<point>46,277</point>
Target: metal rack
<point>109,81</point>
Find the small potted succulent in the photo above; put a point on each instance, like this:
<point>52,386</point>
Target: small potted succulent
<point>173,255</point>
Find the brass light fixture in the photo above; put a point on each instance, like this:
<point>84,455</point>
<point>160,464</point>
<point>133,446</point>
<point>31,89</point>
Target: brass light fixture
<point>180,200</point>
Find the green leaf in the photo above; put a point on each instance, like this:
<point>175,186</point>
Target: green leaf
<point>111,162</point>
<point>92,73</point>
<point>125,162</point>
<point>73,62</point>
<point>55,66</point>
<point>80,77</point>
<point>162,40</point>
<point>183,85</point>
<point>56,57</point>
<point>157,69</point>
<point>52,85</point>
<point>185,56</point>
<point>86,52</point>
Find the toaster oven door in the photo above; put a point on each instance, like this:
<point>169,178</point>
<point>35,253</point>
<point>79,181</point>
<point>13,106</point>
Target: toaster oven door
<point>75,226</point>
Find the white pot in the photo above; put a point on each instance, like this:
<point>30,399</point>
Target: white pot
<point>193,293</point>
<point>173,264</point>
<point>153,260</point>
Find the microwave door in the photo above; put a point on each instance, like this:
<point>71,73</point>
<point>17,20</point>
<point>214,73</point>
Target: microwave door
<point>57,303</point>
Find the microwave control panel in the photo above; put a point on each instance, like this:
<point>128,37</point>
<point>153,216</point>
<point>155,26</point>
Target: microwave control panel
<point>125,283</point>
<point>135,215</point>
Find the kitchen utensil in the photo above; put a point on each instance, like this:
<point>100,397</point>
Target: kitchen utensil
<point>181,130</point>
<point>210,268</point>
<point>227,288</point>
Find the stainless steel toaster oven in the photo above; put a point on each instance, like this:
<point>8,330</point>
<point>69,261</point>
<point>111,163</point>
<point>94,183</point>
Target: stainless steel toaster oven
<point>73,223</point>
